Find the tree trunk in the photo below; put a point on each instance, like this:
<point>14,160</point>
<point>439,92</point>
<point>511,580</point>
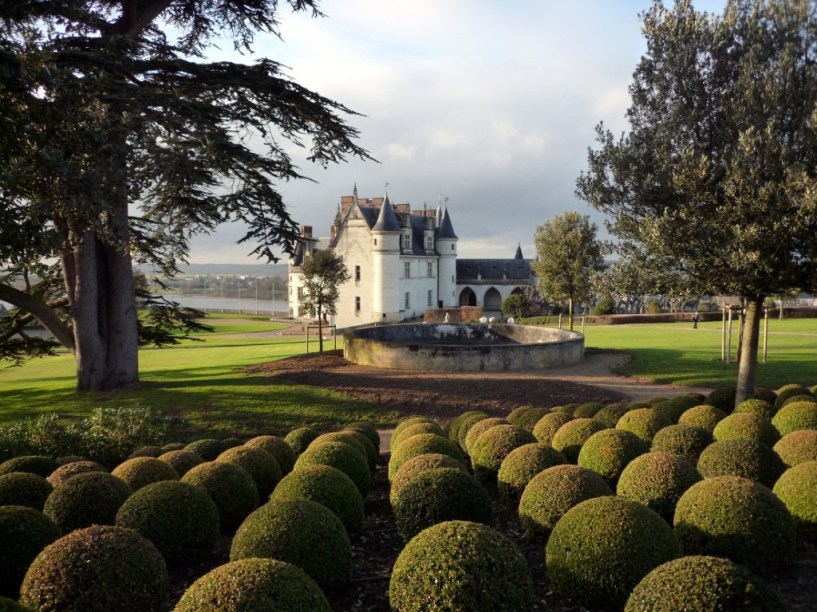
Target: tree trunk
<point>570,311</point>
<point>320,326</point>
<point>748,356</point>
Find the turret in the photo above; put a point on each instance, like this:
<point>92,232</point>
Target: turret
<point>386,233</point>
<point>446,247</point>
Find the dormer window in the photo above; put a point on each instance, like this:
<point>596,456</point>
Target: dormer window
<point>406,242</point>
<point>429,243</point>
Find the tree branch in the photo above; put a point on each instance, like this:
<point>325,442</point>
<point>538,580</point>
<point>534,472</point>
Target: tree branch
<point>42,311</point>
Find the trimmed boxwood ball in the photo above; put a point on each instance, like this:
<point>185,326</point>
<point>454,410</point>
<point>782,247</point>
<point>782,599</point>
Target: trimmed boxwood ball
<point>181,460</point>
<point>602,548</point>
<point>327,486</point>
<point>567,408</point>
<point>701,582</point>
<point>491,448</point>
<point>453,426</point>
<point>345,438</point>
<point>438,495</point>
<point>799,398</point>
<point>643,422</point>
<point>704,416</point>
<point>259,464</point>
<point>413,430</point>
<point>607,452</point>
<point>277,448</point>
<point>173,446</point>
<point>68,470</point>
<point>464,424</point>
<point>737,518</point>
<point>230,487</point>
<point>767,395</point>
<point>343,457</point>
<point>408,422</point>
<point>367,429</point>
<point>299,439</point>
<point>611,413</point>
<point>657,480</point>
<point>687,441</point>
<point>517,413</point>
<point>180,519</point>
<point>570,437</point>
<point>548,425</point>
<point>87,499</point>
<point>24,532</point>
<point>34,464</point>
<point>420,445</point>
<point>97,569</point>
<point>788,391</point>
<point>358,440</point>
<point>529,417</point>
<point>24,489</point>
<point>460,565</point>
<point>587,410</point>
<point>796,416</point>
<point>522,464</point>
<point>756,406</point>
<point>9,605</point>
<point>797,447</point>
<point>797,488</point>
<point>746,426</point>
<point>553,492</point>
<point>480,428</point>
<point>722,398</point>
<point>141,471</point>
<point>745,458</point>
<point>417,465</point>
<point>301,532</point>
<point>672,408</point>
<point>254,584</point>
<point>207,448</point>
<point>147,451</point>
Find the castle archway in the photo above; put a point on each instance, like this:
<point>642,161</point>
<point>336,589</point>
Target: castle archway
<point>493,299</point>
<point>468,297</point>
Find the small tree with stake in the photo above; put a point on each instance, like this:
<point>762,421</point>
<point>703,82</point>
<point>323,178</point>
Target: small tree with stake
<point>324,273</point>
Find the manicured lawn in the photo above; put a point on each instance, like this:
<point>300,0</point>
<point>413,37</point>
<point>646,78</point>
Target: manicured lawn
<point>201,381</point>
<point>676,353</point>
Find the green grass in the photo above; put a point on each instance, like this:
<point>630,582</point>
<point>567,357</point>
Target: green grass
<point>200,380</point>
<point>675,353</point>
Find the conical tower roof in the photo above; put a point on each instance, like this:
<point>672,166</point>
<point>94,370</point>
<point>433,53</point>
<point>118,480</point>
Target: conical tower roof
<point>446,228</point>
<point>387,219</point>
<point>518,252</point>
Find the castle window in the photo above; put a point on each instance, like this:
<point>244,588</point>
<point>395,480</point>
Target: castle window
<point>407,242</point>
<point>429,269</point>
<point>430,299</point>
<point>429,243</point>
<point>407,269</point>
<point>300,293</point>
<point>357,305</point>
<point>375,241</point>
<point>357,274</point>
<point>452,247</point>
<point>408,300</point>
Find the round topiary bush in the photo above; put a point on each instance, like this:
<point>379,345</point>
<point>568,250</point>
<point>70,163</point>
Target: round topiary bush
<point>408,422</point>
<point>299,439</point>
<point>795,416</point>
<point>97,569</point>
<point>421,445</point>
<point>301,532</point>
<point>180,519</point>
<point>276,447</point>
<point>147,451</point>
<point>417,465</point>
<point>24,489</point>
<point>671,409</point>
<point>797,447</point>
<point>34,464</point>
<point>737,518</point>
<point>230,487</point>
<point>607,452</point>
<point>787,391</point>
<point>356,439</point>
<point>548,425</point>
<point>414,429</point>
<point>570,437</point>
<point>173,446</point>
<point>459,565</point>
<point>746,426</point>
<point>327,486</point>
<point>262,467</point>
<point>182,461</point>
<point>254,584</point>
<point>611,413</point>
<point>567,408</point>
<point>704,416</point>
<point>522,464</point>
<point>553,492</point>
<point>587,410</point>
<point>643,422</point>
<point>207,448</point>
<point>657,480</point>
<point>756,406</point>
<point>142,471</point>
<point>687,441</point>
<point>722,398</point>
<point>368,430</point>
<point>602,548</point>
<point>438,495</point>
<point>87,499</point>
<point>491,448</point>
<point>745,458</point>
<point>480,428</point>
<point>343,457</point>
<point>528,417</point>
<point>68,470</point>
<point>701,583</point>
<point>797,489</point>
<point>24,532</point>
<point>463,424</point>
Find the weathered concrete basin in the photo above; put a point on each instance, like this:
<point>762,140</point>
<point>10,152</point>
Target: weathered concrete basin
<point>450,347</point>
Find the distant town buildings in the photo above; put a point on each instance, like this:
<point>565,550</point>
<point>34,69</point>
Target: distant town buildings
<point>402,262</point>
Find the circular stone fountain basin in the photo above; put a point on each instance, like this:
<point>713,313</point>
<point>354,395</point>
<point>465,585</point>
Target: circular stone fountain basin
<point>450,347</point>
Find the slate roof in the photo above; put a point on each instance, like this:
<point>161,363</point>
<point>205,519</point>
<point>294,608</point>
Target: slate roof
<point>516,271</point>
<point>446,229</point>
<point>387,219</point>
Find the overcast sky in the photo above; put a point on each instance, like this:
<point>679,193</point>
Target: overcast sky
<point>489,104</point>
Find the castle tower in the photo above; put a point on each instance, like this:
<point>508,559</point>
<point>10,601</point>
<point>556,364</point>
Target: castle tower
<point>386,234</point>
<point>446,247</point>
